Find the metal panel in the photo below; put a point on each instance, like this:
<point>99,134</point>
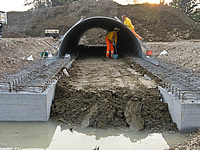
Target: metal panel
<point>127,42</point>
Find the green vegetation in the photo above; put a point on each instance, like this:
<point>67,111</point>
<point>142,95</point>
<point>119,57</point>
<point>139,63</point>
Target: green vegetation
<point>191,7</point>
<point>46,3</point>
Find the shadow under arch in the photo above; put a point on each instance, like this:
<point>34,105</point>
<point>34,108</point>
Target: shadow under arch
<point>127,42</point>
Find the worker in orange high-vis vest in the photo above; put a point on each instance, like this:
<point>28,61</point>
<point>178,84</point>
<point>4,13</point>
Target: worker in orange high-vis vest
<point>110,38</point>
<point>128,23</point>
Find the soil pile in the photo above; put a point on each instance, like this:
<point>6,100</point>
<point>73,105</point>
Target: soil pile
<point>152,22</point>
<point>182,53</point>
<point>113,106</point>
<point>14,52</point>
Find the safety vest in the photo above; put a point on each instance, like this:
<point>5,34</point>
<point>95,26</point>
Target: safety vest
<point>112,35</point>
<point>128,23</point>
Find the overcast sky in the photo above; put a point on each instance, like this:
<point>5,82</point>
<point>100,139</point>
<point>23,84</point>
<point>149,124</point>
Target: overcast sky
<point>18,5</point>
<point>12,5</point>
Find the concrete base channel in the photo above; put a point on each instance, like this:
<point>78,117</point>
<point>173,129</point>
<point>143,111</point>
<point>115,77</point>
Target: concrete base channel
<point>35,106</point>
<point>27,96</point>
<point>27,106</point>
<point>180,90</point>
<point>186,114</point>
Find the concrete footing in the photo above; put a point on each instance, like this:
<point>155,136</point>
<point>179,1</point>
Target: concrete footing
<point>27,106</point>
<point>186,114</point>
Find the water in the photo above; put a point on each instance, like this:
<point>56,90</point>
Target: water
<point>49,136</point>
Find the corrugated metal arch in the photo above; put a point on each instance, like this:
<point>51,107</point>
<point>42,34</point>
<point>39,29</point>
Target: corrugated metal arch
<point>126,39</point>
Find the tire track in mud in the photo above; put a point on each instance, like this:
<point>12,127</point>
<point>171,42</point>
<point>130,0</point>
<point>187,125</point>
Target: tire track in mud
<point>104,93</point>
<point>103,74</point>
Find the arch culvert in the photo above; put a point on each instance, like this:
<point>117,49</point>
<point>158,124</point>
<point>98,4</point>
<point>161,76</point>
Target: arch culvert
<point>127,42</point>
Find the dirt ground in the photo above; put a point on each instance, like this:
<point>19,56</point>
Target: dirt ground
<point>15,51</point>
<point>183,53</point>
<point>104,93</point>
<point>85,98</point>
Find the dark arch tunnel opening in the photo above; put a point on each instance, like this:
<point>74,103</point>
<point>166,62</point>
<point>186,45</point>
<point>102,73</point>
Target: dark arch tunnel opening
<point>127,42</point>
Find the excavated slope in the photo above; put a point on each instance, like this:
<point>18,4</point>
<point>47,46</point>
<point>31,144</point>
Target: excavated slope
<point>152,22</point>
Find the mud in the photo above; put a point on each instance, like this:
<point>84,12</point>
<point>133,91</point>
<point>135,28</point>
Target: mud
<point>108,102</point>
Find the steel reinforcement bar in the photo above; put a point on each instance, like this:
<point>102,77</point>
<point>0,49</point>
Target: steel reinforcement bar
<point>37,80</point>
<point>181,82</point>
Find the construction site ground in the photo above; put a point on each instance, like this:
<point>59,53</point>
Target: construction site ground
<point>99,91</point>
<point>105,93</point>
<point>14,52</point>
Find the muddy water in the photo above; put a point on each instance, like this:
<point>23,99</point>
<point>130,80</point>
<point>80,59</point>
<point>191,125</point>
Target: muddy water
<point>50,136</point>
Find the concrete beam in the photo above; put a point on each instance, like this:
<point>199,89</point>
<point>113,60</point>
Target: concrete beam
<point>27,106</point>
<point>185,114</point>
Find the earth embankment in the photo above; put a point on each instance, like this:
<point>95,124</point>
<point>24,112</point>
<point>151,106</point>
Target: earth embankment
<point>152,22</point>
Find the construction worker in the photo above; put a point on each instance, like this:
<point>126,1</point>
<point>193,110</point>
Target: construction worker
<point>128,23</point>
<point>44,54</point>
<point>111,38</point>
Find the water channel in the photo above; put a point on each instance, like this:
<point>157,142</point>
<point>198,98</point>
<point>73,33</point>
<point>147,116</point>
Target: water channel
<point>50,136</point>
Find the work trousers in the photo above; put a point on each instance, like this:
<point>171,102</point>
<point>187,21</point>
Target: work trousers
<point>110,48</point>
<point>139,37</point>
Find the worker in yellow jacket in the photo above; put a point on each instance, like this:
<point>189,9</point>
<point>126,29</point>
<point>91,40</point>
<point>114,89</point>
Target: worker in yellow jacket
<point>110,38</point>
<point>128,23</point>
